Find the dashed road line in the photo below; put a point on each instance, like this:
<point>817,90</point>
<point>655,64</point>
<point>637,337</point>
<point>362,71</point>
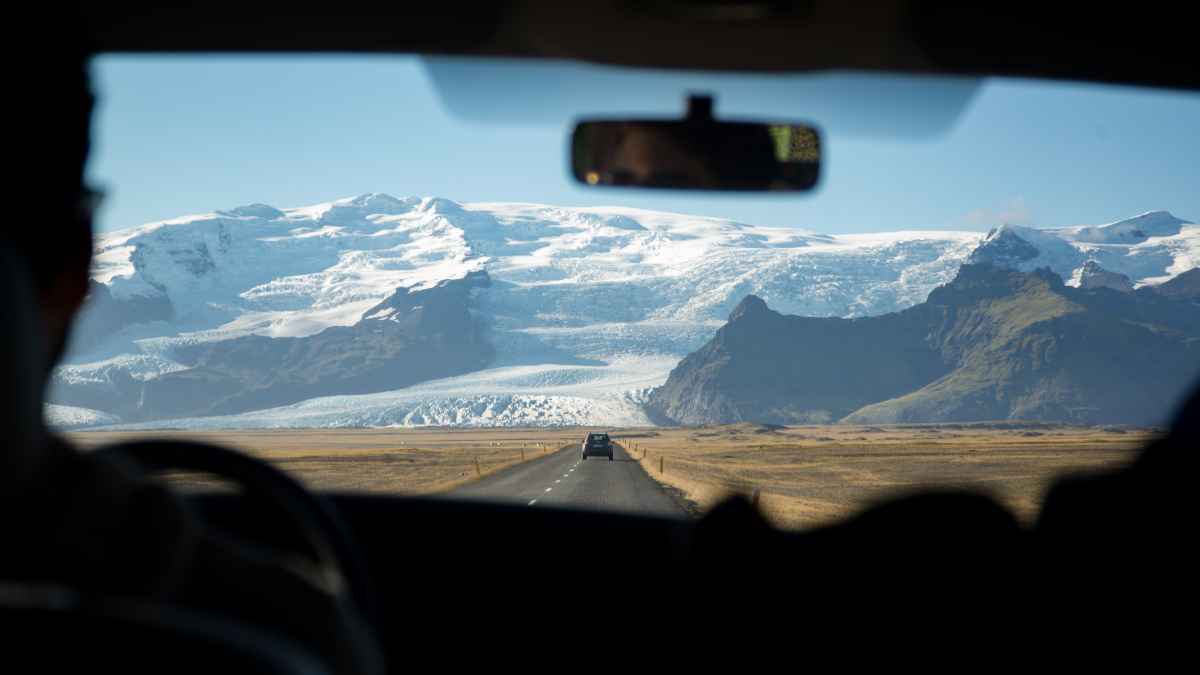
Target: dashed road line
<point>532,502</point>
<point>549,489</point>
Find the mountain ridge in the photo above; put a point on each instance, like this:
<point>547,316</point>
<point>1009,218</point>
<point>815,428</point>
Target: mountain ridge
<point>993,344</point>
<point>593,306</point>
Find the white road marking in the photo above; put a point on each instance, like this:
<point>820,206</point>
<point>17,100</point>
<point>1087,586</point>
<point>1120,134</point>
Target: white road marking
<point>558,481</point>
<point>532,502</point>
<point>549,489</point>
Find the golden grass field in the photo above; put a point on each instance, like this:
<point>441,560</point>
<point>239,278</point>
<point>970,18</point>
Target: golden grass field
<point>811,475</point>
<point>411,461</point>
<point>805,475</point>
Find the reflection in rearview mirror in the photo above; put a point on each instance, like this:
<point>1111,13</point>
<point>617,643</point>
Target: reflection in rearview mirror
<point>696,153</point>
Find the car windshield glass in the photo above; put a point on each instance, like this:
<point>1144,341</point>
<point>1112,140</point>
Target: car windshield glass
<point>379,274</point>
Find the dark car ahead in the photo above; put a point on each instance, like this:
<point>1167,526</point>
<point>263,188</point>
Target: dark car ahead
<point>597,445</point>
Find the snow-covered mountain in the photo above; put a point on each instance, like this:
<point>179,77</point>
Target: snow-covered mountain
<point>70,417</point>
<point>582,310</point>
<point>1148,249</point>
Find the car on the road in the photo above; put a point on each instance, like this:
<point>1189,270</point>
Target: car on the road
<point>597,445</point>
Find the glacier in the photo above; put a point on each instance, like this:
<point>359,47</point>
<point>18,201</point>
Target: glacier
<point>588,308</point>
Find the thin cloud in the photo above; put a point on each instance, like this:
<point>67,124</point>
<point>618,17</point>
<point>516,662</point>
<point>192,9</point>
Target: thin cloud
<point>1016,212</point>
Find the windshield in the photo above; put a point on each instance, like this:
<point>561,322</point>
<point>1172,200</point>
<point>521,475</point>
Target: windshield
<point>378,274</point>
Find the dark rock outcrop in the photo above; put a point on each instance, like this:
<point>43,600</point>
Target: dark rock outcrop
<point>1092,275</point>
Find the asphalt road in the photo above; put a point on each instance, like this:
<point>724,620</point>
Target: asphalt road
<point>563,479</point>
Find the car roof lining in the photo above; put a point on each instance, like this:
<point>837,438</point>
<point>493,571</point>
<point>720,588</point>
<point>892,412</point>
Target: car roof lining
<point>1015,38</point>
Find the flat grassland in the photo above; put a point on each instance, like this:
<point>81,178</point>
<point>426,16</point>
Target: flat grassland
<point>805,476</point>
<point>409,461</point>
<point>811,475</point>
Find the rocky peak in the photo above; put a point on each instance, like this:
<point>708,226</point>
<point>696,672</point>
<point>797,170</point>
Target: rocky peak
<point>750,306</point>
<point>1003,247</point>
<point>1092,275</point>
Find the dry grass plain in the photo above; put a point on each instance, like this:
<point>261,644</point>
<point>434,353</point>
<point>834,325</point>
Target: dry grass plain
<point>810,475</point>
<point>410,461</point>
<point>805,475</point>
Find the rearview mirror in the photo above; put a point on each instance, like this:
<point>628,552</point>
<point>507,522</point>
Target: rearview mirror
<point>696,153</point>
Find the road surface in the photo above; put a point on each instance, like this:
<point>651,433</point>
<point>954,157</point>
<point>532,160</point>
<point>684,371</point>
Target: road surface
<point>563,479</point>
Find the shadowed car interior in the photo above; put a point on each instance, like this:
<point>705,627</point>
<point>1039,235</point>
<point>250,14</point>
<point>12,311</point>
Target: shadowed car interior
<point>110,564</point>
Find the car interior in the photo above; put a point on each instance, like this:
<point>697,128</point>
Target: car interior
<point>932,579</point>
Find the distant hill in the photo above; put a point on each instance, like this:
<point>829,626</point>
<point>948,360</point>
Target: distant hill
<point>993,344</point>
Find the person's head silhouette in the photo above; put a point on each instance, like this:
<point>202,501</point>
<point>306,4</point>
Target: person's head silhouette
<point>46,249</point>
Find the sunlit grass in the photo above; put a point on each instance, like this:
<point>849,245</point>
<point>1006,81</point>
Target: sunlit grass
<point>811,475</point>
<point>805,476</point>
<point>368,460</point>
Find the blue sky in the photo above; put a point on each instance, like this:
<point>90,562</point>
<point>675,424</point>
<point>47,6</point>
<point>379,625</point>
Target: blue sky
<point>180,135</point>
